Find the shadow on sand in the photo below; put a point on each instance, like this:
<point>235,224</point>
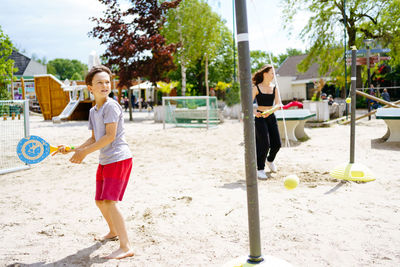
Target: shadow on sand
<point>80,258</point>
<point>241,184</point>
<point>339,185</point>
<point>381,143</point>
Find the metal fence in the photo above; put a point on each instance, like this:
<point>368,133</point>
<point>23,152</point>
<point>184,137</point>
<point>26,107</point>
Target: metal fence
<point>14,125</point>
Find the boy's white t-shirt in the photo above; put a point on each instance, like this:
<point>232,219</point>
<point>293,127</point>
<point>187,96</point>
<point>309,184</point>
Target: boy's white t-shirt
<point>110,112</point>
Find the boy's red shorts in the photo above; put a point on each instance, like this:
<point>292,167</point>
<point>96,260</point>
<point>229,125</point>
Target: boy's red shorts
<point>112,179</point>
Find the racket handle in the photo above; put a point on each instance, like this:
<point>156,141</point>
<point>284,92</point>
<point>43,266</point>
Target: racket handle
<point>266,112</point>
<point>54,148</point>
<point>68,148</point>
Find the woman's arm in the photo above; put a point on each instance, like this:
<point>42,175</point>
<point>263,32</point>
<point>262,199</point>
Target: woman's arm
<point>255,92</point>
<point>277,98</point>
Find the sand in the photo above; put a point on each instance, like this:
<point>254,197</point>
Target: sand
<point>185,204</point>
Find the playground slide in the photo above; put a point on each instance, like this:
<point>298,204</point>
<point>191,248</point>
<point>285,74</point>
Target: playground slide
<point>71,106</point>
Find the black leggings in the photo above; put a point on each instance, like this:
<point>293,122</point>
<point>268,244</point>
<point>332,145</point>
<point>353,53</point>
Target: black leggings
<point>268,141</point>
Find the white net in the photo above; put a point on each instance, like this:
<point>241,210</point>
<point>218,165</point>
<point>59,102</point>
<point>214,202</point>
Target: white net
<point>14,125</point>
<point>191,111</point>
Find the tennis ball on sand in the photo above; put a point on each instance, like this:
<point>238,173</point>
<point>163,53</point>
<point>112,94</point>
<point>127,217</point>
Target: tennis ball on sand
<point>291,181</point>
<point>348,100</point>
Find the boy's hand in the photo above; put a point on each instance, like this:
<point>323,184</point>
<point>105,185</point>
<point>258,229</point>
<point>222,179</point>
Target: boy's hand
<point>63,149</point>
<point>78,157</point>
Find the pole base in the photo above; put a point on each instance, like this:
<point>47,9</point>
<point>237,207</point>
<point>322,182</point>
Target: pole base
<point>352,172</point>
<point>269,261</point>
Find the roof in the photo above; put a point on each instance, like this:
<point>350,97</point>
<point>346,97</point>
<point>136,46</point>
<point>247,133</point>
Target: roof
<point>21,62</point>
<point>289,68</point>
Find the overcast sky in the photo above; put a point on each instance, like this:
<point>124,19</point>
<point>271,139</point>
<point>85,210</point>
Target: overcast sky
<point>59,28</point>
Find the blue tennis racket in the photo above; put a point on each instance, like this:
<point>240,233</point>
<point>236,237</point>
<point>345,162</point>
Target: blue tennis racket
<point>34,149</point>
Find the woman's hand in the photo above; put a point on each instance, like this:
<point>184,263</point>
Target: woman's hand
<point>257,114</point>
<point>265,115</point>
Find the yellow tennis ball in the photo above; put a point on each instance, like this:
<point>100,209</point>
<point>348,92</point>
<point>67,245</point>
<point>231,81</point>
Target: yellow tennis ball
<point>291,181</point>
<point>348,100</point>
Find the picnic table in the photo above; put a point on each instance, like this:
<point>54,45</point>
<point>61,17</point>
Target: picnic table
<point>295,120</point>
<point>391,116</point>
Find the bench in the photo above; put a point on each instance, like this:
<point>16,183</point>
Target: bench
<point>391,116</point>
<point>295,120</point>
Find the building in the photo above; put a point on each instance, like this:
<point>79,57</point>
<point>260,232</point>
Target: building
<point>294,84</point>
<point>27,68</point>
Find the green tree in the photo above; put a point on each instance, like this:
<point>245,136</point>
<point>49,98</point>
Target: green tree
<point>6,65</point>
<point>221,67</point>
<point>260,58</point>
<point>377,19</point>
<point>233,95</point>
<point>198,30</point>
<point>66,68</point>
<point>76,77</point>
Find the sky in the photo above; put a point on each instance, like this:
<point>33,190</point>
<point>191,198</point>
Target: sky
<point>59,28</point>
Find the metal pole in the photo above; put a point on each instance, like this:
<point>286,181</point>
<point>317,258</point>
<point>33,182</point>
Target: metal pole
<point>368,68</point>
<point>248,128</point>
<point>208,111</point>
<point>163,112</point>
<point>353,102</point>
<point>369,76</point>
<point>26,118</point>
<point>233,44</point>
<point>345,48</point>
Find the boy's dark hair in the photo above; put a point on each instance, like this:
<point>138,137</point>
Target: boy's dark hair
<point>93,71</point>
<point>258,77</point>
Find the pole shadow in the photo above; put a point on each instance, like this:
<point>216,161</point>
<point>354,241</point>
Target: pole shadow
<point>340,184</point>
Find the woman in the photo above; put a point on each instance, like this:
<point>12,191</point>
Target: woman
<point>268,141</point>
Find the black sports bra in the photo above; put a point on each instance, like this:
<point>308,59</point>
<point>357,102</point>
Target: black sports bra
<point>265,99</point>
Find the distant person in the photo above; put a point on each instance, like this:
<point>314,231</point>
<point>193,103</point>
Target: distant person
<point>212,92</point>
<point>268,141</point>
<point>293,104</point>
<point>331,101</point>
<point>385,95</point>
<point>323,96</point>
<point>106,122</point>
<point>372,104</point>
<point>126,103</point>
<point>133,100</point>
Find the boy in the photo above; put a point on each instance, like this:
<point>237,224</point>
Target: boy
<point>115,161</point>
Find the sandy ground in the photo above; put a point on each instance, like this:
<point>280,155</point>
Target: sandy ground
<point>186,201</point>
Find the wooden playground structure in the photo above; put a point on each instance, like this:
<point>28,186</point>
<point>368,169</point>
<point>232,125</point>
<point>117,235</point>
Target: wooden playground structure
<point>60,101</point>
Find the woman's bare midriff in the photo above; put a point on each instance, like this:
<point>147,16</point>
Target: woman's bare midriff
<point>264,108</point>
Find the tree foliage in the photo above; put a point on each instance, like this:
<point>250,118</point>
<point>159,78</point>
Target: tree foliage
<point>6,65</point>
<point>260,58</point>
<point>199,32</point>
<point>67,69</point>
<point>135,47</point>
<point>377,19</point>
<point>221,66</point>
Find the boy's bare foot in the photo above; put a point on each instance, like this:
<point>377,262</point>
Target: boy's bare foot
<point>120,254</point>
<point>107,237</point>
